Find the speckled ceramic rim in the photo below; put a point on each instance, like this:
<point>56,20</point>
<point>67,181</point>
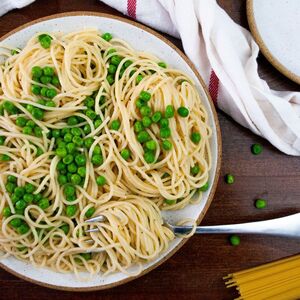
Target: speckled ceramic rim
<point>264,49</point>
<point>219,150</point>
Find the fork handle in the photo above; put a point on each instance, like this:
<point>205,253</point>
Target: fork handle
<point>286,226</point>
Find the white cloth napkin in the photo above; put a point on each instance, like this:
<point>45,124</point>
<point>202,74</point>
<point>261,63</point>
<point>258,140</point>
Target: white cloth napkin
<point>225,55</point>
<point>7,5</point>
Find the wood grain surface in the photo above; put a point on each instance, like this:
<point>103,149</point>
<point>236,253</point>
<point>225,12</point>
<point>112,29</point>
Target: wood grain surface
<point>196,271</point>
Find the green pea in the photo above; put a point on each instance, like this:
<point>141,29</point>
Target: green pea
<point>170,201</point>
<point>30,124</point>
<point>37,197</point>
<point>37,71</point>
<point>115,125</point>
<point>51,93</point>
<point>256,149</point>
<point>139,78</point>
<point>101,180</point>
<point>62,179</point>
<point>156,116</point>
<point>19,191</point>
<point>125,153</point>
<point>145,111</point>
<point>23,228</point>
<point>68,159</point>
<point>128,63</point>
<point>139,103</point>
<point>110,79</point>
<point>50,103</point>
<point>75,179</point>
<point>35,89</point>
<point>151,145</point>
<point>45,40</point>
<point>91,114</point>
<point>110,51</point>
<point>78,141</point>
<point>149,157</point>
<point>143,136</point>
<point>72,168</point>
<point>29,188</point>
<point>115,60</point>
<point>87,129</point>
<point>112,69</point>
<point>56,133</point>
<point>6,212</point>
<point>72,121</point>
<point>97,123</point>
<point>90,212</point>
<point>69,190</point>
<point>229,179</point>
<point>88,142</point>
<point>21,204</point>
<point>145,96</point>
<point>164,123</point>
<point>2,140</point>
<point>162,64</point>
<point>76,131</point>
<point>71,147</point>
<point>44,203</point>
<point>68,137</point>
<point>97,150</point>
<point>14,198</point>
<point>195,170</point>
<point>15,222</point>
<point>71,210</point>
<point>37,113</point>
<point>55,81</point>
<point>45,80</point>
<point>12,178</point>
<point>196,137</point>
<point>10,187</point>
<point>106,36</point>
<point>183,111</point>
<point>61,144</point>
<point>165,133</point>
<point>29,107</point>
<point>81,171</point>
<point>80,160</point>
<point>44,92</point>
<point>60,166</point>
<point>102,100</point>
<point>166,145</point>
<point>170,112</point>
<point>65,228</point>
<point>260,203</point>
<point>234,240</point>
<point>41,101</point>
<point>10,107</point>
<point>138,126</point>
<point>28,198</point>
<point>61,152</point>
<point>4,157</point>
<point>97,159</point>
<point>48,71</point>
<point>146,121</point>
<point>39,151</point>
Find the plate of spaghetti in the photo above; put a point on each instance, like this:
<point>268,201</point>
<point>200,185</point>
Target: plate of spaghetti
<point>99,116</point>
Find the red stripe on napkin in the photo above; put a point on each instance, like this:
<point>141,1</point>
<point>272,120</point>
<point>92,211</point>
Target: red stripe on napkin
<point>213,86</point>
<point>131,8</point>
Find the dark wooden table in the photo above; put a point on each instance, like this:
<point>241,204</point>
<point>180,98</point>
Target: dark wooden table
<point>196,271</point>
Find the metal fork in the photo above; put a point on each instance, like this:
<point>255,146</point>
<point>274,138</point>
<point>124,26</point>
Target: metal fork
<point>288,226</point>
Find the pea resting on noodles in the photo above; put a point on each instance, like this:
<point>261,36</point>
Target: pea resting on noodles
<point>91,126</point>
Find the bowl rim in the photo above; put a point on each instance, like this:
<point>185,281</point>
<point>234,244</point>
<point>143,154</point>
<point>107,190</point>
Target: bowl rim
<point>218,154</point>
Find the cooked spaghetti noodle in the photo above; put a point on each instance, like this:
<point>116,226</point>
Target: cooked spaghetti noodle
<point>90,126</point>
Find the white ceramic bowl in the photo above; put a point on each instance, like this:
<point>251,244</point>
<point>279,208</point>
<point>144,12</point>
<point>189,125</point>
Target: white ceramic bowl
<point>140,38</point>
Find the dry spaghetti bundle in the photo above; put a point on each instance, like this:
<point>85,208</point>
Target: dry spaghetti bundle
<point>278,280</point>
